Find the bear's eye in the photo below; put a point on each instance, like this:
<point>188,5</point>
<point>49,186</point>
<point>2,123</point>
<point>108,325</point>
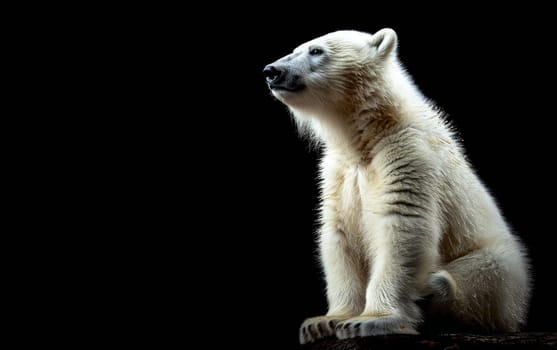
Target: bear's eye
<point>315,51</point>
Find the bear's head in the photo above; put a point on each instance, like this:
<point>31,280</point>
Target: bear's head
<point>335,72</point>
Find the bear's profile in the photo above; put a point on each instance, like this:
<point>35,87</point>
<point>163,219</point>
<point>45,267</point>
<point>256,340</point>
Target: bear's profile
<point>404,218</point>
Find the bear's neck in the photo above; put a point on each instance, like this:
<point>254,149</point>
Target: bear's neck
<point>356,135</point>
<point>381,113</point>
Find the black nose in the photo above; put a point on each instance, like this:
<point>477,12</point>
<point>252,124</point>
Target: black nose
<point>272,74</point>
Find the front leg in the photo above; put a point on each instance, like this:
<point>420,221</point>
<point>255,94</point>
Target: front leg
<point>345,286</point>
<point>401,236</point>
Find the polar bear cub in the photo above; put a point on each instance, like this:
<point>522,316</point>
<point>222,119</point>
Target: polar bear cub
<point>404,218</point>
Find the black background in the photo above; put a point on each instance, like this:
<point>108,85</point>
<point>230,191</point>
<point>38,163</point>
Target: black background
<point>223,174</point>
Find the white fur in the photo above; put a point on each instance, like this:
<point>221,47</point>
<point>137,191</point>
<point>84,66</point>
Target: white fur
<point>403,214</point>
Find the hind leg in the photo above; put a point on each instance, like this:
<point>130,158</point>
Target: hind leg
<point>487,289</point>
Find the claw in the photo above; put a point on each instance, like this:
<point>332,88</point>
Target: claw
<point>318,327</point>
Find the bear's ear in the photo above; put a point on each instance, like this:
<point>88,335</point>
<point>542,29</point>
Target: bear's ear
<point>384,42</point>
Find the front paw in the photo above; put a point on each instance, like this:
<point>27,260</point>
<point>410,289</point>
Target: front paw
<point>318,327</point>
<point>364,326</point>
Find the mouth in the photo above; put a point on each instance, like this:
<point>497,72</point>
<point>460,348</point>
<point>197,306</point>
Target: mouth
<point>289,88</point>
